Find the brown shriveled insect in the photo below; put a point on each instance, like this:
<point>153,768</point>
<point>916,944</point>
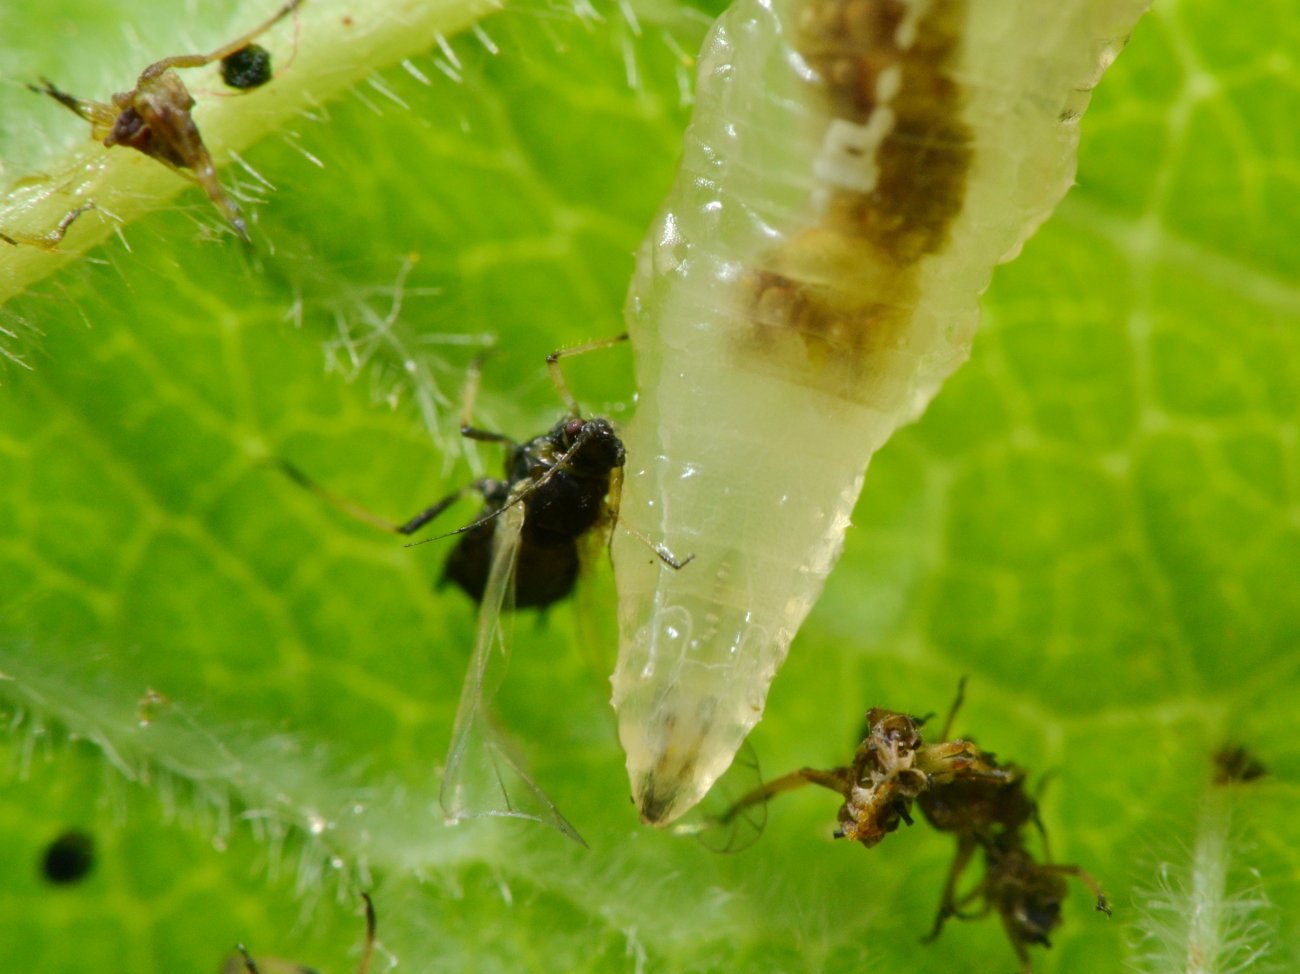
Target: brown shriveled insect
<point>891,769</point>
<point>988,813</point>
<point>961,790</point>
<point>243,963</point>
<point>1233,764</point>
<point>154,117</point>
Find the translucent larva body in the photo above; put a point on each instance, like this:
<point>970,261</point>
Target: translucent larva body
<point>854,171</point>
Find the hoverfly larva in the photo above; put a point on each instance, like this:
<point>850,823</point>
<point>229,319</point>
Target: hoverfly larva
<point>852,173</point>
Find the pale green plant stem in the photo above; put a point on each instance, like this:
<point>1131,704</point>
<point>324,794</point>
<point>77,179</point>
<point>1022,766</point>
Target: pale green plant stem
<point>1199,921</point>
<point>337,43</point>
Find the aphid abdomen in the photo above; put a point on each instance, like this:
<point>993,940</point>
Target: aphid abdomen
<point>853,172</point>
<point>565,508</point>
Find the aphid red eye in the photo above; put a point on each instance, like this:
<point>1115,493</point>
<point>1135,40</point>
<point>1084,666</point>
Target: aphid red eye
<point>573,427</point>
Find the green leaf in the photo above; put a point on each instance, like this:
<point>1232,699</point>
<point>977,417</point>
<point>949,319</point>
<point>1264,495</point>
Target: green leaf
<point>244,695</point>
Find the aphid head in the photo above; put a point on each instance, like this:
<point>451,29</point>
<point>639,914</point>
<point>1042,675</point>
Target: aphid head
<point>596,448</point>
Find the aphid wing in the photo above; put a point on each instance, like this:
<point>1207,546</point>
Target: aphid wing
<point>723,821</point>
<point>482,776</point>
<point>592,598</point>
<point>851,176</point>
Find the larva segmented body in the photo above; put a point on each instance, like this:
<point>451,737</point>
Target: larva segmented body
<point>853,172</point>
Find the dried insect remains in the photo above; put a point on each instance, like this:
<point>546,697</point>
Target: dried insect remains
<point>961,790</point>
<point>155,117</point>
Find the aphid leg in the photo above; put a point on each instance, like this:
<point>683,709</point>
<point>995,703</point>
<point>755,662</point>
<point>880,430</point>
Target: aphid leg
<point>765,793</point>
<point>661,550</point>
<point>467,428</point>
<point>557,375</point>
<point>1022,954</point>
<point>947,903</point>
<point>188,144</point>
<point>485,487</point>
<point>249,966</point>
<point>199,60</point>
<point>1083,876</point>
<point>952,711</point>
<point>369,517</point>
<point>368,950</point>
<point>52,239</point>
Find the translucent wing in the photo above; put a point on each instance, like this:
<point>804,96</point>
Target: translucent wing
<point>728,820</point>
<point>483,776</point>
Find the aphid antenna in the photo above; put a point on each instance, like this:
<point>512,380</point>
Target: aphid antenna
<point>370,517</point>
<point>765,793</point>
<point>557,374</point>
<point>956,706</point>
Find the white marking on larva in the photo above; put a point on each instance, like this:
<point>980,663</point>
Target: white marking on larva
<point>889,83</point>
<point>905,34</point>
<point>848,156</point>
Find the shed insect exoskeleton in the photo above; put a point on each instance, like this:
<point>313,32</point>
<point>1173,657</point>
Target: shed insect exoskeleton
<point>154,117</point>
<point>852,173</point>
<point>244,963</point>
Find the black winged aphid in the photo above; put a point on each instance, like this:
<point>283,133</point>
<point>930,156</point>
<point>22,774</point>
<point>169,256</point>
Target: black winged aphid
<point>558,496</point>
